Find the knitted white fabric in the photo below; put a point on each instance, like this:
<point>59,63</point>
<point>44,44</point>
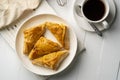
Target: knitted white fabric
<point>10,10</point>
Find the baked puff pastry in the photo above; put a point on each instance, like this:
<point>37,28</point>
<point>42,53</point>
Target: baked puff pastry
<point>31,35</point>
<point>42,47</point>
<point>61,33</point>
<point>52,60</point>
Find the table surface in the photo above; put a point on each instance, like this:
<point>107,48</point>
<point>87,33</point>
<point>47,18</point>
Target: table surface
<point>100,61</point>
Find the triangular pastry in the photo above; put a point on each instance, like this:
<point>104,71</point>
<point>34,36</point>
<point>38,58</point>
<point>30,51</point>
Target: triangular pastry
<point>42,47</point>
<point>52,60</point>
<point>60,32</point>
<point>31,35</point>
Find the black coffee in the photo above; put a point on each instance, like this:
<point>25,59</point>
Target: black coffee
<point>94,9</point>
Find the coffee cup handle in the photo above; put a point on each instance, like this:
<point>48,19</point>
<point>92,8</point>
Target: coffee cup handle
<point>105,24</point>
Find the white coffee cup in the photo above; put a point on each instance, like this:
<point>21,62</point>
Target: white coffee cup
<point>91,5</point>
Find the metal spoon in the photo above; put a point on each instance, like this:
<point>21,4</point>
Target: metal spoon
<point>92,25</point>
<point>61,2</point>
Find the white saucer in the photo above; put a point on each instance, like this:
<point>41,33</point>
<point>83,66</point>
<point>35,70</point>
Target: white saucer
<point>85,25</point>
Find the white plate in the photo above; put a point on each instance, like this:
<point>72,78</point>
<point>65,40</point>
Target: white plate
<point>85,25</point>
<point>38,20</point>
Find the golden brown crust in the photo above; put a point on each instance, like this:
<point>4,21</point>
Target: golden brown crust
<point>43,51</point>
<point>42,47</point>
<point>59,31</point>
<point>52,60</point>
<point>67,40</point>
<point>31,35</point>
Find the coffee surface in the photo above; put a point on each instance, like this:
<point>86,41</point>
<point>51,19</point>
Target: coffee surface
<point>94,9</point>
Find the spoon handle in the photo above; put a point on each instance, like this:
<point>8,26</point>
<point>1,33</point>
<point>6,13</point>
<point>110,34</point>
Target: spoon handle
<point>96,29</point>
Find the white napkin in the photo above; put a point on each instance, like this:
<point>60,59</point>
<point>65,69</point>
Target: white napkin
<point>10,10</point>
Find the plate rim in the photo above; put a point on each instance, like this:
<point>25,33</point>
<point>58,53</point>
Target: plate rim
<point>19,54</point>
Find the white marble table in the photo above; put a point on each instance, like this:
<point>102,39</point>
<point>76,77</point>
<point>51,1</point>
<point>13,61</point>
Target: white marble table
<point>100,61</point>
